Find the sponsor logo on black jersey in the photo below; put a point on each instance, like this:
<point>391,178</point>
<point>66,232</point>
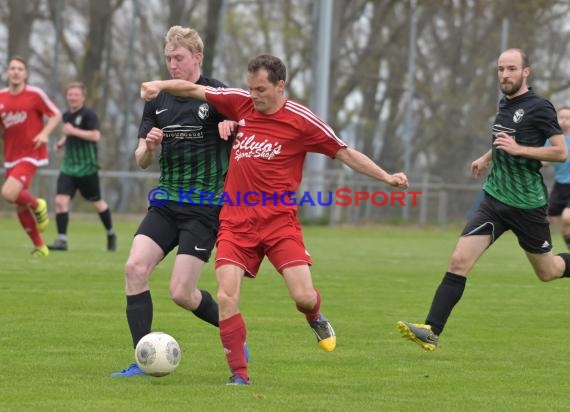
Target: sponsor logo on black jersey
<point>183,132</point>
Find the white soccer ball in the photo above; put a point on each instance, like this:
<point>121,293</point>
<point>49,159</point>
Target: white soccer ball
<point>157,354</point>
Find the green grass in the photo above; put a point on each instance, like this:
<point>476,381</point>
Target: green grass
<point>63,330</point>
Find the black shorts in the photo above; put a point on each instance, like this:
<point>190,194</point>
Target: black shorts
<point>494,218</point>
<point>88,186</point>
<point>559,198</point>
<point>192,228</point>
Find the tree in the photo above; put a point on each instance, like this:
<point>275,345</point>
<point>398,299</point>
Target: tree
<point>22,15</point>
<point>113,45</point>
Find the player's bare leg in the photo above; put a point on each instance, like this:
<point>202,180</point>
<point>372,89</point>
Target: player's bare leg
<point>308,302</point>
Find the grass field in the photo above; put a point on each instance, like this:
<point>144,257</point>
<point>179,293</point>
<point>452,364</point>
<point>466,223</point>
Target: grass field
<point>63,331</point>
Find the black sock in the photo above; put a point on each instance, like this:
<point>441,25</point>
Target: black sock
<point>446,296</point>
<point>62,219</point>
<point>566,257</point>
<point>139,315</point>
<point>208,309</point>
<point>567,240</point>
<point>105,217</point>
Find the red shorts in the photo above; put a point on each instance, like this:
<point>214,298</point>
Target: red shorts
<point>23,172</point>
<point>247,234</point>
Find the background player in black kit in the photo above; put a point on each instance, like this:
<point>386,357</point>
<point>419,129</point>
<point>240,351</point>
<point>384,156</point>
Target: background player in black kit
<point>193,159</point>
<point>515,194</point>
<point>80,168</point>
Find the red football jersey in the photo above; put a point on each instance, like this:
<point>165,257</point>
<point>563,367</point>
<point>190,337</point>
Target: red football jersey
<point>269,150</point>
<point>22,118</point>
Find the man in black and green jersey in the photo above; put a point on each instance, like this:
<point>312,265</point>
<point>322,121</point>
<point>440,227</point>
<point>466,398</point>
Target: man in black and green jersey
<point>79,170</point>
<point>193,161</point>
<point>515,194</point>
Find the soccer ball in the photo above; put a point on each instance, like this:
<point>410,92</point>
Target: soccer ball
<point>157,354</point>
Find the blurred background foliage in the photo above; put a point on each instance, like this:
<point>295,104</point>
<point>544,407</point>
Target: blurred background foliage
<point>412,83</point>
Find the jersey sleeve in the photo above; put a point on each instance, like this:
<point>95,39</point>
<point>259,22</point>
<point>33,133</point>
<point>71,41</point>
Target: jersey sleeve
<point>91,120</point>
<point>547,120</point>
<point>228,101</point>
<point>319,137</point>
<point>148,120</point>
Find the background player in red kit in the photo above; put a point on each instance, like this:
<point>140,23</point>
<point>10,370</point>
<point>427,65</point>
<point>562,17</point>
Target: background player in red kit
<point>22,111</point>
<point>267,158</point>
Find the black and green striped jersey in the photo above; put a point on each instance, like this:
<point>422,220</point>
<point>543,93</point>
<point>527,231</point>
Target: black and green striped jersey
<point>80,157</point>
<point>193,158</point>
<point>515,180</point>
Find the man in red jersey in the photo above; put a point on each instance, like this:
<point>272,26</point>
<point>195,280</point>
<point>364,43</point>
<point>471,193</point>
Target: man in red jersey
<point>22,111</point>
<point>267,159</point>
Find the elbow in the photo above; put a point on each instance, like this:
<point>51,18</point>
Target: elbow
<point>96,136</point>
<point>141,163</point>
<point>342,154</point>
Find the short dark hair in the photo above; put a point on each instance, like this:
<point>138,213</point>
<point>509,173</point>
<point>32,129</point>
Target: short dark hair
<point>276,69</point>
<point>21,60</point>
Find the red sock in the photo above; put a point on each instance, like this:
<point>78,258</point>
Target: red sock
<point>232,334</point>
<point>25,198</point>
<point>28,222</point>
<point>312,314</point>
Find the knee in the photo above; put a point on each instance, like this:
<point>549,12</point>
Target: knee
<point>136,272</point>
<point>227,299</point>
<point>224,296</point>
<point>8,195</point>
<point>184,298</point>
<point>545,275</point>
<point>60,204</point>
<point>458,263</point>
<point>176,295</point>
<point>101,205</point>
<point>306,298</point>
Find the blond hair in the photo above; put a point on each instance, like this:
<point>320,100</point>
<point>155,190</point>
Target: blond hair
<point>185,37</point>
<point>79,85</point>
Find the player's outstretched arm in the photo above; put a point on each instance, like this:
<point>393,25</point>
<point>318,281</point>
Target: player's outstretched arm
<point>363,164</point>
<point>175,87</point>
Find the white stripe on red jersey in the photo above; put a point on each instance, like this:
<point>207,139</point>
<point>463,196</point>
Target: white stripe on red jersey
<point>227,90</point>
<point>49,103</point>
<point>313,118</point>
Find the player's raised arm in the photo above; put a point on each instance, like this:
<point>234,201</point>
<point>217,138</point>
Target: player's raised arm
<point>361,163</point>
<point>175,87</point>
